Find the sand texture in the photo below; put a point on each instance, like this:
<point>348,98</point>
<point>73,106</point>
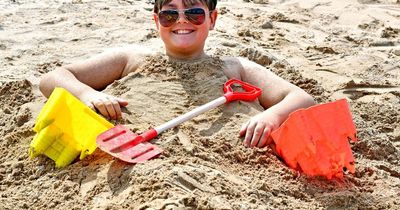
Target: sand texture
<point>332,49</point>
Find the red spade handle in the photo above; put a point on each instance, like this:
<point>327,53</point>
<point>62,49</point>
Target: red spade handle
<point>251,92</point>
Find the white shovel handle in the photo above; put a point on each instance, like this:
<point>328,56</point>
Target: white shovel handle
<point>190,115</point>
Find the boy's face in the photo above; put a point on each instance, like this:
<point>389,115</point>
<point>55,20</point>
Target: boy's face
<point>184,36</point>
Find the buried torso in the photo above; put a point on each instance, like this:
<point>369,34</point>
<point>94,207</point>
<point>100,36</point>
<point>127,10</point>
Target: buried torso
<point>162,89</point>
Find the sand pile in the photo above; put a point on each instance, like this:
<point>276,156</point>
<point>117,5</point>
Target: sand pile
<point>331,49</point>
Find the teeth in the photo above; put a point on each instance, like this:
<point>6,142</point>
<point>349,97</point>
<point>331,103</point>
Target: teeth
<point>183,31</point>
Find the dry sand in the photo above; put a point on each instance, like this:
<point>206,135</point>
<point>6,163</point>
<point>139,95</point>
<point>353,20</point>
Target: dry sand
<point>332,49</point>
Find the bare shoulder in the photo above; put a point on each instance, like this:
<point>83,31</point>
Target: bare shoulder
<point>232,67</point>
<point>133,55</point>
<point>239,67</point>
<point>274,87</point>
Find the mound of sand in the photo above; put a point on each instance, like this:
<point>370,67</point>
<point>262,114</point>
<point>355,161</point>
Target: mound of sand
<point>331,49</point>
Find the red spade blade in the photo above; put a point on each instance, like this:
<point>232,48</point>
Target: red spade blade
<point>122,143</point>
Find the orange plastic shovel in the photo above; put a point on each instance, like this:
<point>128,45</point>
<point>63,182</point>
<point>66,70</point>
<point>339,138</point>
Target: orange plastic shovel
<point>122,143</point>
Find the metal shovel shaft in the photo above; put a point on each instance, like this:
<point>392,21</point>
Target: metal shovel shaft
<point>190,115</point>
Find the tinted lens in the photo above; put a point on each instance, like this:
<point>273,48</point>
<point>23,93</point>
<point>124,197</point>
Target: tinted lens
<point>168,17</point>
<point>195,15</point>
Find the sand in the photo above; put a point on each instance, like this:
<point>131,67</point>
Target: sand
<point>332,49</point>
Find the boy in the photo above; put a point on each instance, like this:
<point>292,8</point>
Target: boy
<point>183,26</point>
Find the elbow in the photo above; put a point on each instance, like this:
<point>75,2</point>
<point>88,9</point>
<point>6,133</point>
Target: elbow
<point>45,84</point>
<point>302,98</point>
<point>48,82</point>
<point>307,99</point>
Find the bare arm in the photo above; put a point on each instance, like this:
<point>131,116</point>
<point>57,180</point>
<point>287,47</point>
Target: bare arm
<point>84,79</point>
<point>279,95</point>
<point>94,73</point>
<point>279,98</point>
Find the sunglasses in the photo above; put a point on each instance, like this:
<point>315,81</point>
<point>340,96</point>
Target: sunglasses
<point>196,16</point>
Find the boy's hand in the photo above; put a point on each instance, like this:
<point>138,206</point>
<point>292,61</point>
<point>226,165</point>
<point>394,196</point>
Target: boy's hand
<point>258,129</point>
<point>107,105</point>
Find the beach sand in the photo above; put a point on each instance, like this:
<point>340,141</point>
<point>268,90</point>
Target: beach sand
<point>332,49</point>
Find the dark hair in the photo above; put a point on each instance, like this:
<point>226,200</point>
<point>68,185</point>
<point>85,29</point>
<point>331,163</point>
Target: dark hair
<point>211,4</point>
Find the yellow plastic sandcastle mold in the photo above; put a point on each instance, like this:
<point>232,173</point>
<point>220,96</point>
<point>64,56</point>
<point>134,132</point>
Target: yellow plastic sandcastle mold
<point>66,128</point>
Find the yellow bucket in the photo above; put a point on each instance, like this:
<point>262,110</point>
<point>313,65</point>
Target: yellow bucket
<point>66,128</point>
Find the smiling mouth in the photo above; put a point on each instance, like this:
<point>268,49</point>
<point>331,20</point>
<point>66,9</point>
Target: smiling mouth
<point>183,31</point>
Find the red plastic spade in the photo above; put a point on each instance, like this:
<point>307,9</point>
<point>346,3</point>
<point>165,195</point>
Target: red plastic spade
<point>122,143</point>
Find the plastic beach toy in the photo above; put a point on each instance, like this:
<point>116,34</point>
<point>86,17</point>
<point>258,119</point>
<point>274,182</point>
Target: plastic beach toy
<point>316,140</point>
<point>66,128</point>
<point>122,143</point>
